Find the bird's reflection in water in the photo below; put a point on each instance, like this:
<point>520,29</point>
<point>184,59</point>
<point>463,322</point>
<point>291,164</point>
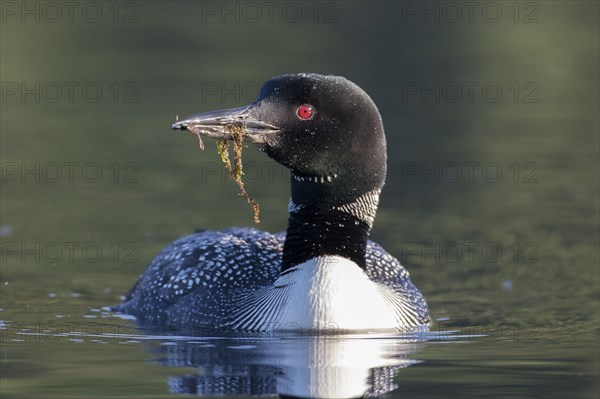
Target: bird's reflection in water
<point>301,366</point>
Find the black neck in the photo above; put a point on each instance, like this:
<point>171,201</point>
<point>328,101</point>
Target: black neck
<point>316,231</point>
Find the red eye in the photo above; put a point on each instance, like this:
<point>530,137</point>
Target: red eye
<point>305,112</point>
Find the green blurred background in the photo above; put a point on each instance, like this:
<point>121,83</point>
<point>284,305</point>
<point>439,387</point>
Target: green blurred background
<point>503,87</point>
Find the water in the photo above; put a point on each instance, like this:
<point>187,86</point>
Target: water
<point>508,263</point>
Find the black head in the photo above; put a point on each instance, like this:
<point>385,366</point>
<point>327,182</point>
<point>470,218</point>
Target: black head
<point>331,131</point>
<point>326,129</point>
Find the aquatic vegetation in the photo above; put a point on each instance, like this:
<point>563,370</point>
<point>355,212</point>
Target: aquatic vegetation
<point>236,170</point>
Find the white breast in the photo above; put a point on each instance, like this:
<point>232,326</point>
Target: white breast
<point>328,293</point>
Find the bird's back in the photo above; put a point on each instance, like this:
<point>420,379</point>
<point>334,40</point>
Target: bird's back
<point>197,281</point>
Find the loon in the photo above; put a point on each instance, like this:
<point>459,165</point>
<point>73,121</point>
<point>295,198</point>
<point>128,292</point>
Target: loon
<point>323,274</point>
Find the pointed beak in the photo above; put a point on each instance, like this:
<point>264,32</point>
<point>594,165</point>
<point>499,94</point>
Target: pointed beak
<point>216,124</point>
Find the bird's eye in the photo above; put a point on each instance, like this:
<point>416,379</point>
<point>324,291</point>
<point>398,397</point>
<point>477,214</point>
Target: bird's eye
<point>305,112</point>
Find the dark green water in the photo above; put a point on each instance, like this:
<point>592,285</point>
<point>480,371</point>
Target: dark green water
<point>491,199</point>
